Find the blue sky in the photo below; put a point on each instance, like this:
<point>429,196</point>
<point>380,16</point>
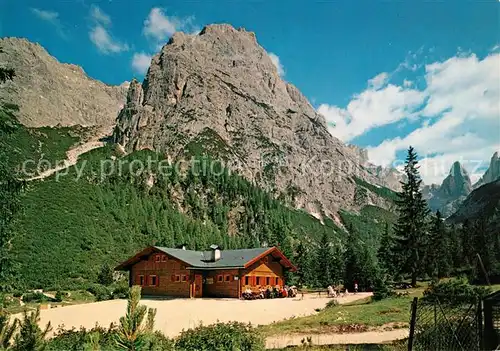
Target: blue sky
<point>384,74</point>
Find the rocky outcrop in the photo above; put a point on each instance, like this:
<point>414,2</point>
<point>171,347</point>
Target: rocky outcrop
<point>219,90</point>
<point>387,176</point>
<point>492,173</point>
<point>49,92</point>
<point>483,202</point>
<point>452,192</point>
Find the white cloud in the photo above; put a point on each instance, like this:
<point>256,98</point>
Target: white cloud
<point>407,83</point>
<point>378,81</point>
<point>104,42</point>
<point>463,101</point>
<point>51,17</point>
<point>141,62</point>
<point>159,26</point>
<point>100,35</point>
<point>370,109</point>
<point>99,16</point>
<point>276,62</point>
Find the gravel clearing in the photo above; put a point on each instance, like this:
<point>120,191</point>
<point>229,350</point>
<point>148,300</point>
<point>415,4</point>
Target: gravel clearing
<point>177,314</point>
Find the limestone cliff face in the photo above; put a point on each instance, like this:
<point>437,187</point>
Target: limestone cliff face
<point>220,92</point>
<point>387,176</point>
<point>49,92</point>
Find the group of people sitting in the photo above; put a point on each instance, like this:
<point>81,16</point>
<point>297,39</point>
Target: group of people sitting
<point>270,292</point>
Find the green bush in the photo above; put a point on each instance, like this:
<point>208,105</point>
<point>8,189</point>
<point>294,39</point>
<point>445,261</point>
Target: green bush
<point>381,289</point>
<point>332,303</point>
<point>73,339</point>
<point>220,337</point>
<point>34,297</point>
<point>101,292</point>
<point>17,293</point>
<point>120,292</point>
<point>59,296</point>
<point>455,291</point>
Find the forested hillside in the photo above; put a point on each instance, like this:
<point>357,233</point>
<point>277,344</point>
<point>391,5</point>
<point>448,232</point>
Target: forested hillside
<point>108,206</point>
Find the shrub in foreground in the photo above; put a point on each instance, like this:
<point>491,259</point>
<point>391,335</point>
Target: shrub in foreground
<point>455,291</point>
<point>220,337</point>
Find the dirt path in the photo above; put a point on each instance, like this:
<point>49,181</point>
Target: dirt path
<point>73,154</point>
<point>177,314</point>
<point>370,337</point>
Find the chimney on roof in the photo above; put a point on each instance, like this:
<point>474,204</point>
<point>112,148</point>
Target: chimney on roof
<point>182,246</point>
<point>213,254</point>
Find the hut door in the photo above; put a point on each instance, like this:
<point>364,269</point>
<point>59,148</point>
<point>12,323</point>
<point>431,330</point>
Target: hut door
<point>198,285</point>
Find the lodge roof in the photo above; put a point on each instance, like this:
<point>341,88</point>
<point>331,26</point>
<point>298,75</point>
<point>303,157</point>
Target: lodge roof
<point>228,258</point>
<point>241,258</point>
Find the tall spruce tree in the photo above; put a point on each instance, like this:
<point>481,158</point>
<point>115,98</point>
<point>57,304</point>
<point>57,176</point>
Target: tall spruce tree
<point>438,253</point>
<point>360,264</point>
<point>411,228</point>
<point>385,251</point>
<point>325,259</point>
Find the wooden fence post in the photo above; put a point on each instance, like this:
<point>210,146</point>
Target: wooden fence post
<point>480,324</point>
<point>412,323</point>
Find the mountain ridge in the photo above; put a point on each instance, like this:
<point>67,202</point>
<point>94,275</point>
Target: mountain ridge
<point>51,93</point>
<point>221,87</point>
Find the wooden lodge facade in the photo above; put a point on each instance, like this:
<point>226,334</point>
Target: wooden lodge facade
<point>164,271</point>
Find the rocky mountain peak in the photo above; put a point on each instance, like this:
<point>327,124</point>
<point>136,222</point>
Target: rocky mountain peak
<point>457,183</point>
<point>49,92</point>
<point>219,92</point>
<point>492,173</point>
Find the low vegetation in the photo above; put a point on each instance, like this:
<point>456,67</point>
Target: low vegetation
<point>360,316</point>
<point>135,332</point>
<point>49,144</point>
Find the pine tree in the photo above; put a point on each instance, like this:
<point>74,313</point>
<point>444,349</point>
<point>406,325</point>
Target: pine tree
<point>31,336</point>
<point>136,327</point>
<point>105,276</point>
<point>438,252</point>
<point>384,253</point>
<point>411,228</point>
<point>306,275</point>
<point>326,270</point>
<point>360,264</point>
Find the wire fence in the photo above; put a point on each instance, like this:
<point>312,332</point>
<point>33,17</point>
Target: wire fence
<point>491,305</point>
<point>445,323</point>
